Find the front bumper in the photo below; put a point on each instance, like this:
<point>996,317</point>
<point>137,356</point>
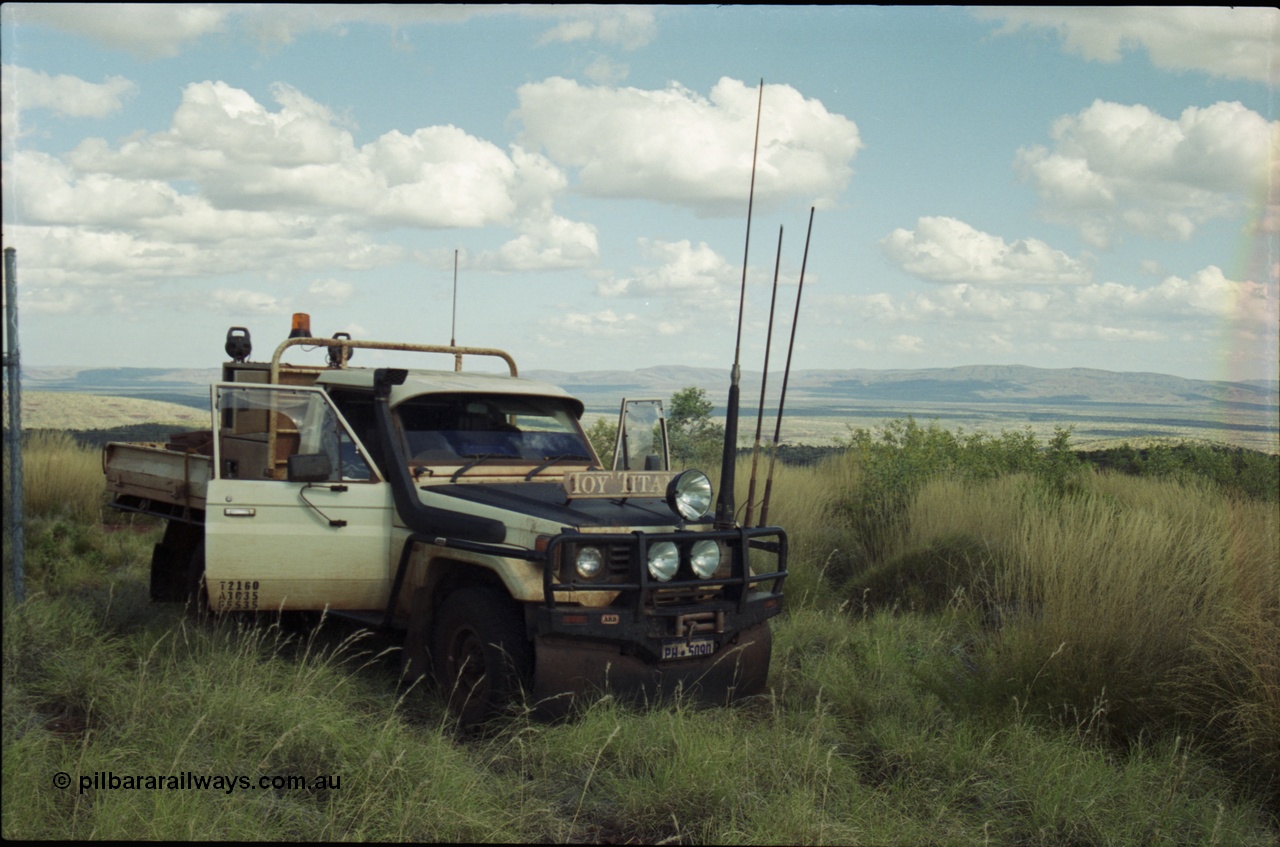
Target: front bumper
<point>707,637</point>
<point>642,589</point>
<point>569,669</point>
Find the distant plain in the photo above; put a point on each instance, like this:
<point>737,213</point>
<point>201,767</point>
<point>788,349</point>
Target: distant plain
<point>1099,407</point>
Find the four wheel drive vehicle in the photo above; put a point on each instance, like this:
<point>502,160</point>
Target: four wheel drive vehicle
<point>469,511</point>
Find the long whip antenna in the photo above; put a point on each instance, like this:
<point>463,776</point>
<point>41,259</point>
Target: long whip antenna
<point>786,375</point>
<point>764,382</point>
<point>746,250</point>
<point>453,325</point>
<point>728,462</point>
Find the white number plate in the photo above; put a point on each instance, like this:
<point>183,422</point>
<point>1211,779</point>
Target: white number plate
<point>683,650</point>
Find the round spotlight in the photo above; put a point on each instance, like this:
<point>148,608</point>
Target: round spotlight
<point>705,558</point>
<point>664,560</point>
<point>689,495</point>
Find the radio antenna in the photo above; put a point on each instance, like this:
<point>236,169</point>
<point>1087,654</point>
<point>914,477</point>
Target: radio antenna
<point>786,375</point>
<point>453,325</point>
<point>728,462</point>
<point>764,382</point>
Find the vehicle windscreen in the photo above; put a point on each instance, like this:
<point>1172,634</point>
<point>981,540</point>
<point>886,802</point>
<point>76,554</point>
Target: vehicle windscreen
<point>448,428</point>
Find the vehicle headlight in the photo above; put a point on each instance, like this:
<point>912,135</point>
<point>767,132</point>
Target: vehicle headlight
<point>664,560</point>
<point>705,558</point>
<point>589,562</point>
<point>689,495</point>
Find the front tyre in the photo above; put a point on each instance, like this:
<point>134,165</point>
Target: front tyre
<point>479,653</point>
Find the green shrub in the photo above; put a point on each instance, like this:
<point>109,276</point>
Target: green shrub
<point>603,434</point>
<point>895,461</point>
<point>1234,470</point>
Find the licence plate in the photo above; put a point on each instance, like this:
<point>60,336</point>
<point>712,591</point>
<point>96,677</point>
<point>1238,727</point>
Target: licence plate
<point>682,649</point>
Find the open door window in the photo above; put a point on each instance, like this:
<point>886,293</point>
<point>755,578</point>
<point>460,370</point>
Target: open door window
<point>266,430</point>
<point>642,437</point>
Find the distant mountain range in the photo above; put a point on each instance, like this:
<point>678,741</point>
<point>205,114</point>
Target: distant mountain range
<point>1097,403</point>
<point>967,384</point>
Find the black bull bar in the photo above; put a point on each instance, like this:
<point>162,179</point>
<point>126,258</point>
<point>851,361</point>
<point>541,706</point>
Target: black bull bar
<point>632,648</point>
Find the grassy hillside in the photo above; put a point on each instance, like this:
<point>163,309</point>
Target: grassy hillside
<point>987,642</point>
<point>68,410</point>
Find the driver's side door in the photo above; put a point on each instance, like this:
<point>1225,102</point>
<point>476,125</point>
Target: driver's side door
<point>320,539</point>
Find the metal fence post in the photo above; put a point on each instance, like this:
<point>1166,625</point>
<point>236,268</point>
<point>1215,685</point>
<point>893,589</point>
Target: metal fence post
<point>13,434</point>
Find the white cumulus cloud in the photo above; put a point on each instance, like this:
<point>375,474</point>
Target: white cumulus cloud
<point>45,190</point>
<point>241,301</point>
<point>942,249</point>
<point>676,146</point>
<point>92,258</point>
<point>1125,167</point>
<point>628,27</point>
<point>1207,293</point>
<point>331,292</point>
<point>238,186</point>
<point>1234,43</point>
<point>1201,307</point>
<point>163,30</point>
<point>693,273</point>
<point>150,30</point>
<point>550,244</point>
<point>299,159</point>
<point>605,323</point>
<point>23,91</point>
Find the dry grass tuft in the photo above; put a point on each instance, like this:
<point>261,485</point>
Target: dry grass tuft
<point>60,478</point>
<point>1138,604</point>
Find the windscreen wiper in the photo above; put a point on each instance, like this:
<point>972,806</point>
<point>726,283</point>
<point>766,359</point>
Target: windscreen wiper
<point>477,458</point>
<point>551,460</point>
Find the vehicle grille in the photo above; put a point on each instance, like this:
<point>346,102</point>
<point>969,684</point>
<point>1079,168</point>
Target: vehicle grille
<point>618,561</point>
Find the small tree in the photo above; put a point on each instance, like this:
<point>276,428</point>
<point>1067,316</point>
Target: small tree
<point>603,434</point>
<point>694,437</point>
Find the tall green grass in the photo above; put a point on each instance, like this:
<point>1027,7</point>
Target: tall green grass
<point>64,501</point>
<point>171,698</point>
<point>1017,661</point>
<point>1128,607</point>
<point>60,478</point>
<point>1133,606</point>
<point>850,749</point>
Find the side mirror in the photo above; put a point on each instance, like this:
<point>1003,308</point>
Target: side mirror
<point>309,467</point>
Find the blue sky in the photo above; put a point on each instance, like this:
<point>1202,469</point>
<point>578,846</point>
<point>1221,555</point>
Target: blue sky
<point>1047,186</point>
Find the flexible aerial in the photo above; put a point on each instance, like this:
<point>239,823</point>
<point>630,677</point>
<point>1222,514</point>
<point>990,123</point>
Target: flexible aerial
<point>725,502</point>
<point>786,374</point>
